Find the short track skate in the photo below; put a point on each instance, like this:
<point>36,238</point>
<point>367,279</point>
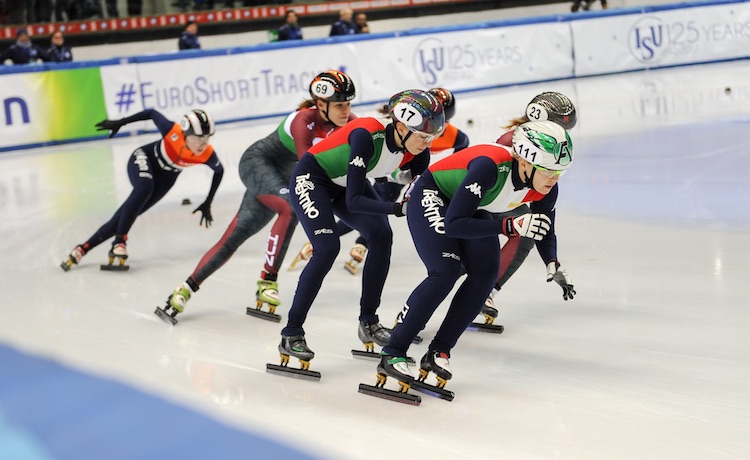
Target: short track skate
<point>304,254</point>
<point>487,326</point>
<point>379,391</point>
<point>370,353</point>
<point>67,264</point>
<point>433,390</point>
<point>266,315</point>
<point>111,267</point>
<point>271,301</point>
<point>429,364</point>
<point>303,372</point>
<point>490,313</point>
<point>168,313</point>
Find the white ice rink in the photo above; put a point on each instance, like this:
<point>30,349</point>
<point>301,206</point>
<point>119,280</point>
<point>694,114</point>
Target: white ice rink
<point>650,361</point>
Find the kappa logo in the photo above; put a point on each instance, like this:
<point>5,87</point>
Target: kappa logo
<point>475,188</point>
<point>358,162</point>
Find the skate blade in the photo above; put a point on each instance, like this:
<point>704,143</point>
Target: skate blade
<point>287,371</point>
<point>165,316</point>
<point>294,263</point>
<point>384,393</point>
<point>350,269</point>
<point>490,328</point>
<point>114,268</point>
<point>432,390</point>
<point>263,314</point>
<point>371,355</point>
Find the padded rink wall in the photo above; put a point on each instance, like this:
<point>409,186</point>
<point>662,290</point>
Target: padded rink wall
<point>58,103</point>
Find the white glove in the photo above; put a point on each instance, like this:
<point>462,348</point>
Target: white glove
<point>534,226</point>
<point>559,276</point>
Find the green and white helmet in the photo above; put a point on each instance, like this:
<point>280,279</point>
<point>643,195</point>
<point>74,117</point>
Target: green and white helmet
<point>545,144</point>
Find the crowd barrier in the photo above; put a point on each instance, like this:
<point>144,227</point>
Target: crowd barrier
<point>48,104</point>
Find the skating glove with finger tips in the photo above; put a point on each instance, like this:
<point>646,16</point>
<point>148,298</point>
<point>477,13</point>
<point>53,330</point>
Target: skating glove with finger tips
<point>560,276</point>
<point>205,210</point>
<point>534,226</point>
<point>109,125</point>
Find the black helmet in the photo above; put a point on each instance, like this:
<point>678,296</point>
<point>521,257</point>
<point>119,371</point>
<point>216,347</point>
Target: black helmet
<point>446,98</point>
<point>197,122</point>
<point>552,106</point>
<point>332,86</point>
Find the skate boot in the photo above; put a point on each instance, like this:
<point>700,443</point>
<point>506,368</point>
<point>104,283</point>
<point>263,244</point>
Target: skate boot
<point>294,346</point>
<point>370,334</point>
<point>175,304</point>
<point>398,368</point>
<point>75,256</point>
<point>120,252</point>
<point>437,362</point>
<point>357,254</point>
<point>489,311</point>
<point>267,294</point>
<point>305,253</point>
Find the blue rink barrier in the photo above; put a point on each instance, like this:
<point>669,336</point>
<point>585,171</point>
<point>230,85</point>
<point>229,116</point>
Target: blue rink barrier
<point>48,411</point>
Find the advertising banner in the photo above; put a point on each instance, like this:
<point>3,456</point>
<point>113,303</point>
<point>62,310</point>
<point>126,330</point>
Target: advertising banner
<point>232,87</point>
<point>465,60</point>
<point>43,107</point>
<point>661,38</point>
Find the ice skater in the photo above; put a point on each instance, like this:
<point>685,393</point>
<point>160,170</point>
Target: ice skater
<point>153,169</point>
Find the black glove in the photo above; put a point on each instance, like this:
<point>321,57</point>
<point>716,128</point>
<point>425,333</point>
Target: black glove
<point>205,210</point>
<point>399,208</point>
<point>109,125</point>
<point>559,276</point>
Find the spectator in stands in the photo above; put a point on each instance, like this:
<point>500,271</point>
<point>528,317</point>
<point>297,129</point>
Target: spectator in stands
<point>57,51</point>
<point>291,29</point>
<point>112,11</point>
<point>344,26</point>
<point>189,38</point>
<point>360,22</point>
<point>585,5</point>
<point>135,7</point>
<point>23,51</point>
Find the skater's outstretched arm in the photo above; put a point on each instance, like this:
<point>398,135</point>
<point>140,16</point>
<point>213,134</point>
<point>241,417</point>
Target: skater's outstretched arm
<point>113,126</point>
